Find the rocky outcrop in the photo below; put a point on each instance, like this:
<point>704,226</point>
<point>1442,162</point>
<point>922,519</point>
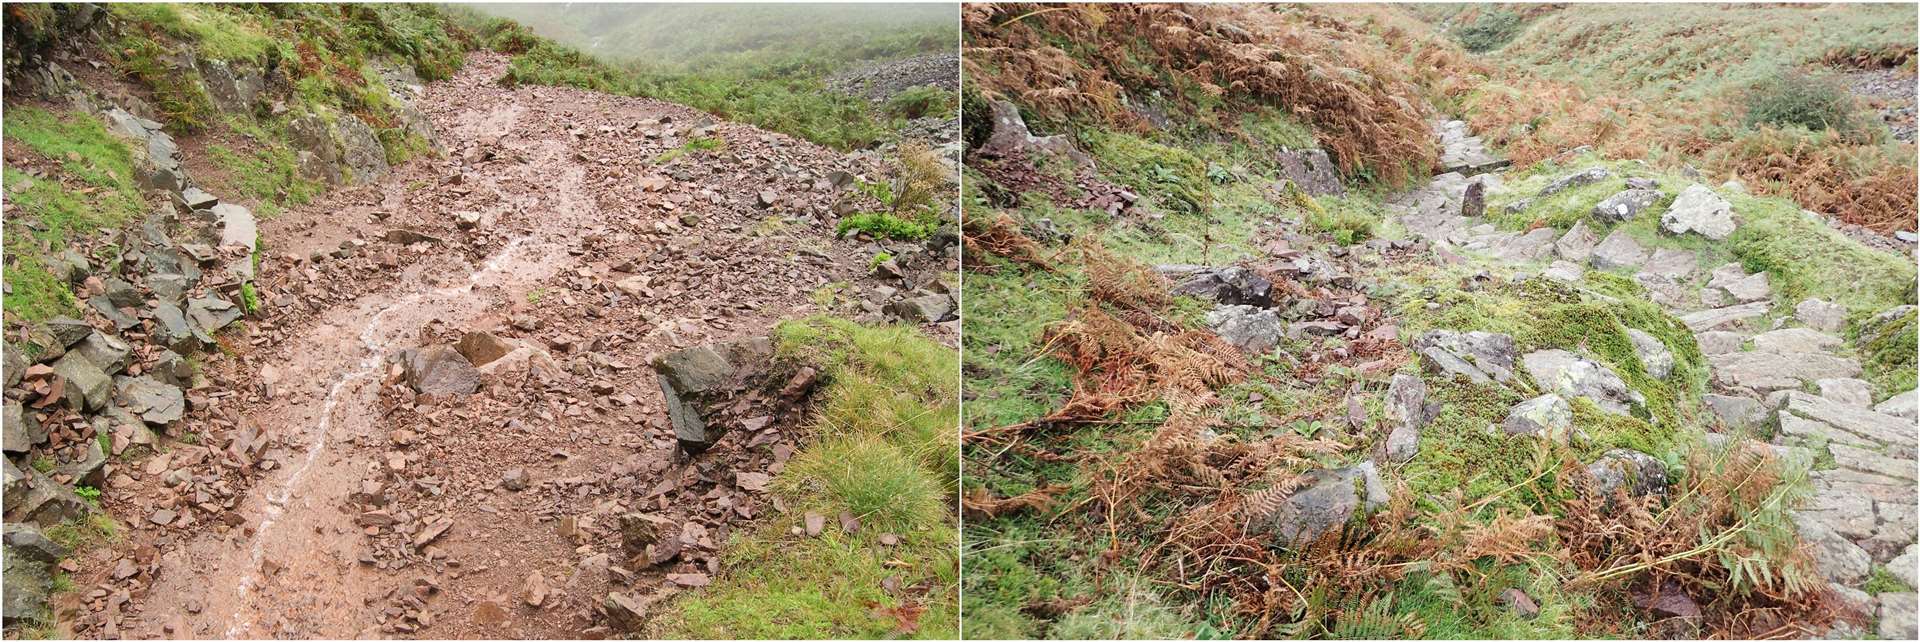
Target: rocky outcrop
<point>697,383</point>
<point>338,148</point>
<point>1230,285</point>
<point>1574,376</point>
<point>1700,211</point>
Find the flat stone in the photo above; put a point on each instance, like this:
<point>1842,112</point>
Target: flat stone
<point>1481,357</point>
<point>1623,206</point>
<point>1671,263</point>
<point>1548,416</point>
<point>1837,559</point>
<point>1897,616</point>
<point>1618,250</point>
<point>1251,329</point>
<point>1716,318</point>
<point>1738,413</point>
<point>1742,287</point>
<point>1563,270</point>
<point>1902,405</point>
<point>22,430</point>
<point>1821,315</point>
<point>1577,244</point>
<point>1407,409</point>
<point>108,352</point>
<point>1720,342</point>
<point>1867,461</point>
<point>1792,340</point>
<point>1846,391</point>
<point>1587,176</point>
<point>1697,209</point>
<point>1851,425</point>
<point>1313,511</point>
<point>929,308</point>
<point>1230,285</point>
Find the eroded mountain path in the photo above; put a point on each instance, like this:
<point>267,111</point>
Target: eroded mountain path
<point>384,514</point>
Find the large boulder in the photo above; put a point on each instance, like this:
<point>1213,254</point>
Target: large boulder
<point>27,587</point>
<point>36,498</point>
<point>1012,137</point>
<point>698,381</point>
<point>1254,330</point>
<point>1821,315</point>
<point>1763,372</point>
<point>107,352</point>
<point>1792,340</point>
<point>1574,376</point>
<point>1838,560</point>
<point>438,370</point>
<point>1577,244</point>
<point>22,428</point>
<point>1701,211</point>
<point>1617,251</point>
<point>1311,170</point>
<point>1481,357</point>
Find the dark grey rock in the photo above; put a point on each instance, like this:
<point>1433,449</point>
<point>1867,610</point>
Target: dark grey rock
<point>1230,285</point>
<point>22,429</point>
<point>1311,170</point>
<point>438,370</point>
<point>172,331</point>
<point>1618,250</point>
<point>1314,511</point>
<point>1481,357</point>
<point>696,381</point>
<point>155,402</point>
<point>87,386</point>
<point>26,590</point>
<point>172,369</point>
<point>1407,409</point>
<point>30,543</point>
<point>107,352</point>
<point>929,308</point>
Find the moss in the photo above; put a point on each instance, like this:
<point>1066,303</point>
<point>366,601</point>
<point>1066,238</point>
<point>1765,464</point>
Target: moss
<point>1348,219</point>
<point>1889,351</point>
<point>882,449</point>
<point>1172,176</point>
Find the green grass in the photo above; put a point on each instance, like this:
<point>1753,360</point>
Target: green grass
<point>104,196</point>
<point>882,449</point>
<point>923,100</point>
<point>694,147</point>
<point>888,225</point>
<point>217,33</point>
<point>83,534</point>
<point>1172,176</point>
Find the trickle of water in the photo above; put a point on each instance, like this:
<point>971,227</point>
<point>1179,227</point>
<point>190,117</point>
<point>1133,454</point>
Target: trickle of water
<point>369,365</point>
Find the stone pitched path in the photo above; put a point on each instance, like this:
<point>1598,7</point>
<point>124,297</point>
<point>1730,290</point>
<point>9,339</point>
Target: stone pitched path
<point>1862,509</point>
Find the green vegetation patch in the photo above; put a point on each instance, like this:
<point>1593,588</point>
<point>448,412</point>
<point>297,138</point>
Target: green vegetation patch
<point>1174,177</point>
<point>103,195</point>
<point>882,450</point>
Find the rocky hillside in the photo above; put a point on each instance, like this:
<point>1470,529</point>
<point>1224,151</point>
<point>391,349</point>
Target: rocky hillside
<point>1229,374</point>
<point>322,322</point>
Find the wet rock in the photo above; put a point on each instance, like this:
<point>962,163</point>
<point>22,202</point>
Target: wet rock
<point>1407,409</point>
<point>1254,330</point>
<point>930,308</point>
<point>1635,471</point>
<point>514,479</point>
<point>155,402</point>
<point>1623,206</point>
<point>1481,357</point>
<point>1821,315</point>
<point>695,381</point>
<point>481,348</point>
<point>1655,358</point>
<point>1584,177</point>
<point>1577,244</point>
<point>1231,285</point>
<point>172,369</point>
<point>1701,211</point>
<point>438,370</point>
<point>1311,170</point>
<point>1548,416</point>
<point>1577,377</point>
<point>87,387</point>
<point>198,199</point>
<point>1618,250</point>
<point>364,158</point>
<point>1315,510</point>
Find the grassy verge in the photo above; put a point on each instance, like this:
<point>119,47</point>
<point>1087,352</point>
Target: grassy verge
<point>98,192</point>
<point>883,448</point>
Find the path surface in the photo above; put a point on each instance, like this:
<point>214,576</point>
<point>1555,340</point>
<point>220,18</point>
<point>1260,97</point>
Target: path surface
<point>1862,510</point>
<point>382,513</point>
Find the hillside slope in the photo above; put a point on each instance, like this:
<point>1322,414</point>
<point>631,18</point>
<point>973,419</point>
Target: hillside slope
<point>301,344</point>
<point>1228,377</point>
